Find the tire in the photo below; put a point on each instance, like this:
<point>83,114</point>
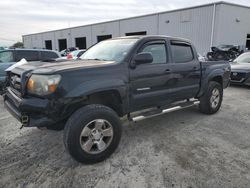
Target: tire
<point>206,104</point>
<point>92,133</point>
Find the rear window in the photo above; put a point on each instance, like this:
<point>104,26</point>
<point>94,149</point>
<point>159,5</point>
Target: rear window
<point>6,56</point>
<point>182,52</point>
<point>28,55</point>
<point>49,55</point>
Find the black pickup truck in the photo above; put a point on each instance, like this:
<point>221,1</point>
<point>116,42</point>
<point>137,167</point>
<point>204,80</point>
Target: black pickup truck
<point>148,75</point>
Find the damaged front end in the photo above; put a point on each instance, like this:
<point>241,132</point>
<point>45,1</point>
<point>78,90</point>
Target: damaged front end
<point>30,111</point>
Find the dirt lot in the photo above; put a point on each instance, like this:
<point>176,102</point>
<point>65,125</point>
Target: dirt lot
<point>180,149</point>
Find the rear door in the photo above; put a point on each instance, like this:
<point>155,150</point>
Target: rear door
<point>6,60</point>
<point>149,83</point>
<point>186,70</point>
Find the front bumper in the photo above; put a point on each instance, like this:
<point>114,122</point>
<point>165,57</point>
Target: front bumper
<point>243,81</point>
<point>240,78</point>
<point>31,112</point>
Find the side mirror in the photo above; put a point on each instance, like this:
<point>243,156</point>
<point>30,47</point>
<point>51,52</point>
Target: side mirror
<point>143,58</point>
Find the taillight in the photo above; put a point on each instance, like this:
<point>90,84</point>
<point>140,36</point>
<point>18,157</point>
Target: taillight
<point>69,56</point>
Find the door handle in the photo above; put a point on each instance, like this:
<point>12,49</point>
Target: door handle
<point>167,70</point>
<point>195,68</point>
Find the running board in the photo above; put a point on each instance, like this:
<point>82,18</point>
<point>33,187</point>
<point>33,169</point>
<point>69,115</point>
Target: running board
<point>157,112</point>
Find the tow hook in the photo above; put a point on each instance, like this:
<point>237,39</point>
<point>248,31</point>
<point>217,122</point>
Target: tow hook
<point>24,120</point>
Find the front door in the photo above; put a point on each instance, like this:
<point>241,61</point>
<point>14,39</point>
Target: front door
<point>149,83</point>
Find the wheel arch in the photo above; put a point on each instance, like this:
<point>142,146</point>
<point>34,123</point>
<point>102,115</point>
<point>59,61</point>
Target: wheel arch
<point>216,75</point>
<point>111,98</point>
<point>218,79</point>
<point>110,92</point>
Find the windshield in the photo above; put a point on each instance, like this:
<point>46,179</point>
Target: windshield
<point>109,50</point>
<point>243,58</point>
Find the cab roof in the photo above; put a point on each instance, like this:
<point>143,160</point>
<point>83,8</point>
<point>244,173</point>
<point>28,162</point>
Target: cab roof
<point>152,37</point>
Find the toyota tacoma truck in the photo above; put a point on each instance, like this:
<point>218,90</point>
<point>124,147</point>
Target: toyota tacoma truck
<point>138,76</point>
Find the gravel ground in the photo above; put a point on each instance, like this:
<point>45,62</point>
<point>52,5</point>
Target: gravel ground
<point>179,149</point>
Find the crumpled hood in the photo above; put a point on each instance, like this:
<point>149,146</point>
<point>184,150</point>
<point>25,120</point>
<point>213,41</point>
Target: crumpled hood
<point>52,67</point>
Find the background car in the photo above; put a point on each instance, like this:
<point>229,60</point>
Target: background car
<point>68,50</point>
<point>11,56</point>
<point>240,73</point>
<point>201,58</point>
<point>75,54</point>
<point>223,52</point>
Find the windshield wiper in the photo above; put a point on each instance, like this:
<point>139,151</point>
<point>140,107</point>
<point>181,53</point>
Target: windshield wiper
<point>96,59</point>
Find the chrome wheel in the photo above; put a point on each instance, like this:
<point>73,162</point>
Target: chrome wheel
<point>96,136</point>
<point>215,98</point>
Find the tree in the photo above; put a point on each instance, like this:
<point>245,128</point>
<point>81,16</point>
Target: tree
<point>17,45</point>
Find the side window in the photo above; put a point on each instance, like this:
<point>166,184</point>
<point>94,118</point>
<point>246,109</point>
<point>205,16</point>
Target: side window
<point>158,52</point>
<point>182,52</point>
<point>48,55</point>
<point>6,57</point>
<point>28,55</point>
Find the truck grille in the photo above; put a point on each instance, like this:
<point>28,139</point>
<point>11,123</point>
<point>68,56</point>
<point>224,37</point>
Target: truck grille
<point>15,83</point>
<point>238,76</point>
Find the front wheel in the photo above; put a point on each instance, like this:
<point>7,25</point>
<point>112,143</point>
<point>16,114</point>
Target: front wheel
<point>92,133</point>
<point>211,101</point>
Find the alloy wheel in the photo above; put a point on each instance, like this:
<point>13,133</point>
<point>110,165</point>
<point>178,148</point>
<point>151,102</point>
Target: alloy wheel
<point>96,136</point>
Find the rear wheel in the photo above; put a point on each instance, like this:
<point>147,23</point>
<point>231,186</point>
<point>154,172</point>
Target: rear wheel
<point>92,133</point>
<point>211,101</point>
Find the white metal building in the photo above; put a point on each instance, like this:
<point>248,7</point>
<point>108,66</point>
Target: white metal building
<point>205,25</point>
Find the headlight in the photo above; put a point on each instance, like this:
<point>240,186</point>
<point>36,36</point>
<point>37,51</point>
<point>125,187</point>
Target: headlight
<point>43,84</point>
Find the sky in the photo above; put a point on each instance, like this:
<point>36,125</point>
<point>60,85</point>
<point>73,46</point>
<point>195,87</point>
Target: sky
<point>20,17</point>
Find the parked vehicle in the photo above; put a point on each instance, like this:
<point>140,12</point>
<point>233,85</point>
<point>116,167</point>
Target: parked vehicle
<point>201,58</point>
<point>223,52</point>
<point>11,56</point>
<point>75,54</point>
<point>114,78</point>
<point>241,70</point>
<point>2,48</point>
<point>68,50</point>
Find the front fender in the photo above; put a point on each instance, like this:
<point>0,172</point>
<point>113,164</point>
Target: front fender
<point>94,86</point>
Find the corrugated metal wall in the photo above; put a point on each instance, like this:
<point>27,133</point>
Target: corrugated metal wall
<point>145,23</point>
<point>232,25</point>
<point>194,23</point>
